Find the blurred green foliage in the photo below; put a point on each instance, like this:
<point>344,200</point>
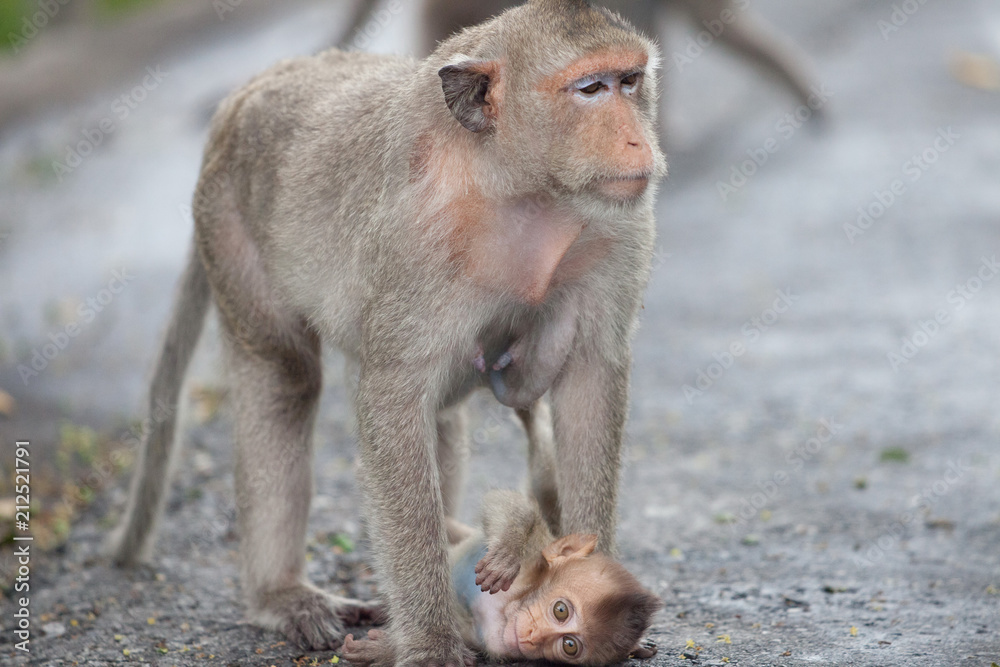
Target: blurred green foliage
<point>115,7</point>
<point>11,14</point>
<point>894,455</point>
<point>14,12</point>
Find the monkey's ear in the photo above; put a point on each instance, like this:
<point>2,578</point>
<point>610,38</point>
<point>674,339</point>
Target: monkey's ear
<point>469,91</point>
<point>572,546</point>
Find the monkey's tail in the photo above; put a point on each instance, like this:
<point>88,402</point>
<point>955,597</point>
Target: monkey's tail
<point>130,542</point>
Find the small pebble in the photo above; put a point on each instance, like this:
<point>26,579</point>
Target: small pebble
<point>54,629</point>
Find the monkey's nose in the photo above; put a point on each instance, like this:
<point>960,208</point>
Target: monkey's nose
<point>533,637</point>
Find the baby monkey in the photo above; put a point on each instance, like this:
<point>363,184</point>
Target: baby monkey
<point>526,595</point>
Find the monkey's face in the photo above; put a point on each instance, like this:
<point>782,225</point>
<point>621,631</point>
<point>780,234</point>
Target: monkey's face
<point>603,141</point>
<point>556,622</point>
<point>588,124</point>
<point>573,607</point>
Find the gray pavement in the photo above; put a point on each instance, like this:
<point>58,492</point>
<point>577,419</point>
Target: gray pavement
<point>813,468</point>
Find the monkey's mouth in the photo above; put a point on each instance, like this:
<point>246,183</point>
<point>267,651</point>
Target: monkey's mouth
<point>623,188</point>
<point>513,640</point>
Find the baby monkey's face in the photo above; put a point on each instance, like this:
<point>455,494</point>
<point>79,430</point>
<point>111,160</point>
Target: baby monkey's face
<point>552,624</point>
<point>573,606</point>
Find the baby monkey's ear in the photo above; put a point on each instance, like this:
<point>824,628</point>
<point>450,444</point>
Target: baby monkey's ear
<point>572,546</point>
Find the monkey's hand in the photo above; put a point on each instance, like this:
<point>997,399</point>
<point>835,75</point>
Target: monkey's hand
<point>497,570</point>
<point>376,650</point>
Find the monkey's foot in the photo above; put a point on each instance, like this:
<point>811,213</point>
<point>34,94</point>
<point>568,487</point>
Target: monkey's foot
<point>497,570</point>
<point>646,649</point>
<point>311,618</point>
<point>376,650</point>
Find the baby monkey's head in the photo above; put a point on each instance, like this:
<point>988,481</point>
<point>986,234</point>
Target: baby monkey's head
<point>579,607</point>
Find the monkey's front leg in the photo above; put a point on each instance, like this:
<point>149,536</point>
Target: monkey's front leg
<point>396,418</point>
<point>590,404</point>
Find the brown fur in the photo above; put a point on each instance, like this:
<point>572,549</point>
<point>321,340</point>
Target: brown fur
<point>621,619</point>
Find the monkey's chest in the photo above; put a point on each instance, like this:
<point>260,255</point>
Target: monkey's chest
<point>522,248</point>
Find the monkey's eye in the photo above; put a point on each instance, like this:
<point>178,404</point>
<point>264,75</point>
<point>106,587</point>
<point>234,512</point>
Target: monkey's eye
<point>592,88</point>
<point>570,646</point>
<point>560,611</point>
<point>630,80</point>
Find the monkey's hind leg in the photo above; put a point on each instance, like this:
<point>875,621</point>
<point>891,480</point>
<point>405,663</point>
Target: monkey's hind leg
<point>130,543</point>
<point>452,456</point>
<point>537,420</point>
<point>275,394</point>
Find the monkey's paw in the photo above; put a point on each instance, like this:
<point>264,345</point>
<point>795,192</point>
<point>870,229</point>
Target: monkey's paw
<point>312,618</point>
<point>376,650</point>
<point>497,570</point>
<point>645,650</point>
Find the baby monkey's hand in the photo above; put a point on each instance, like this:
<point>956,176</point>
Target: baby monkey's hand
<point>497,570</point>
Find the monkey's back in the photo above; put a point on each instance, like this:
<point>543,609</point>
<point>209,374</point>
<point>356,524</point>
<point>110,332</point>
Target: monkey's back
<point>300,153</point>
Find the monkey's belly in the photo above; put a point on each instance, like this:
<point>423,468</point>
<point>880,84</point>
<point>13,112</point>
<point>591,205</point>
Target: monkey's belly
<point>485,610</point>
<point>463,576</point>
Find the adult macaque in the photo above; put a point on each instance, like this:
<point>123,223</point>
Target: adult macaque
<point>525,595</point>
<point>730,21</point>
<point>496,197</point>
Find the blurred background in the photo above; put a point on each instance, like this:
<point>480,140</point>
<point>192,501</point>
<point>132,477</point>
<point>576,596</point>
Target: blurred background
<point>813,456</point>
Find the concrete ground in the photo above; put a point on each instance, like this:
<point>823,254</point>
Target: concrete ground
<point>827,494</point>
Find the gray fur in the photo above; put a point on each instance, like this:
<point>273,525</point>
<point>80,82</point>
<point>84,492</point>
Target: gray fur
<point>316,219</point>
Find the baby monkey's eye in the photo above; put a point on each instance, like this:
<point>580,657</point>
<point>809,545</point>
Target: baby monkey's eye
<point>630,80</point>
<point>570,646</point>
<point>592,88</point>
<point>560,611</point>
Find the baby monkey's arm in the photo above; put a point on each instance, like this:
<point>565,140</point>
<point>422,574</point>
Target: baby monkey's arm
<point>514,530</point>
